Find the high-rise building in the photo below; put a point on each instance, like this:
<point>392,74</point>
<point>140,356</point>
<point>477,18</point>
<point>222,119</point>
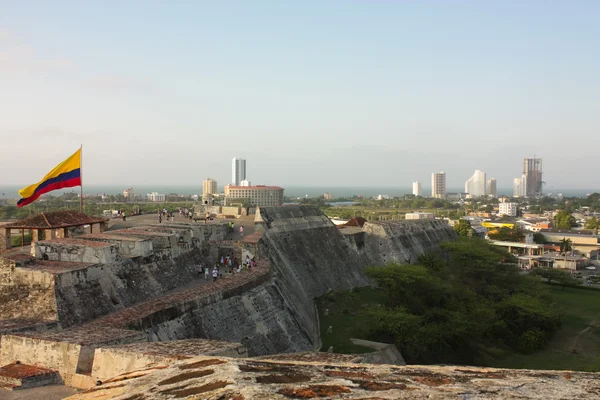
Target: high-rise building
<point>532,171</point>
<point>475,185</point>
<point>129,194</point>
<point>238,171</point>
<point>520,186</point>
<point>491,188</point>
<point>438,185</point>
<point>417,188</point>
<point>209,186</point>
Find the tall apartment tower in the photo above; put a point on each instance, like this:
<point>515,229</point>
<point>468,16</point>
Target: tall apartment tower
<point>417,188</point>
<point>520,186</point>
<point>475,185</point>
<point>532,171</point>
<point>491,187</point>
<point>209,186</point>
<point>438,185</point>
<point>238,171</point>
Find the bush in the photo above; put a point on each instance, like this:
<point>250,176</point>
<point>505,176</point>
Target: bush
<point>531,340</point>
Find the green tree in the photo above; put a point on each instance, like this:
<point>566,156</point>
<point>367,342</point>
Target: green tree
<point>592,223</point>
<point>556,275</point>
<point>506,234</point>
<point>463,228</point>
<point>565,245</point>
<point>564,220</point>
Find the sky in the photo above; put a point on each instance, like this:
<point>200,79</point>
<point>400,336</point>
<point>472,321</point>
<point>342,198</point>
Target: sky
<point>319,93</point>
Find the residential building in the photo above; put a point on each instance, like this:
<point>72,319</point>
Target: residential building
<point>438,185</point>
<point>260,195</point>
<point>383,197</point>
<point>475,185</point>
<point>419,215</point>
<point>157,197</point>
<point>417,188</point>
<point>520,186</point>
<point>129,194</point>
<point>492,189</point>
<point>508,209</point>
<point>532,171</point>
<point>209,186</point>
<point>328,196</point>
<point>238,171</point>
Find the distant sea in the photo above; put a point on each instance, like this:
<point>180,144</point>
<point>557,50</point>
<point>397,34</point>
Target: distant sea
<point>7,191</point>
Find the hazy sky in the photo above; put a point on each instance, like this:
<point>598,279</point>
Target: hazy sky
<point>328,93</point>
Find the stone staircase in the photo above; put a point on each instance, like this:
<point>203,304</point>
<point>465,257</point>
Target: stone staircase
<point>22,376</point>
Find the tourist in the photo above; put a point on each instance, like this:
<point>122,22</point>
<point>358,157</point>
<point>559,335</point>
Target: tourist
<point>200,269</point>
<point>241,230</point>
<point>215,274</point>
<point>124,217</point>
<point>159,218</point>
<point>247,259</point>
<point>206,273</point>
<point>239,268</point>
<point>222,261</point>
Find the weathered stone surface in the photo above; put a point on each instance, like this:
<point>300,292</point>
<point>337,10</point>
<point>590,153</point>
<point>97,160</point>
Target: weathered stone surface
<point>403,241</point>
<point>212,378</point>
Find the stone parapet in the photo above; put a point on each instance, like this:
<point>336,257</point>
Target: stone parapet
<point>75,250</point>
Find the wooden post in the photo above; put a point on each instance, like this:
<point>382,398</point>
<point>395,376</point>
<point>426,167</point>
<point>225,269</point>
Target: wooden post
<point>22,237</point>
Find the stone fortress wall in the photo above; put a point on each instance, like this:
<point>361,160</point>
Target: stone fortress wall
<point>137,285</point>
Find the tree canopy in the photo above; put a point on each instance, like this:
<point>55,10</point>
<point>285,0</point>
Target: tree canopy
<point>463,228</point>
<point>456,302</point>
<point>564,220</point>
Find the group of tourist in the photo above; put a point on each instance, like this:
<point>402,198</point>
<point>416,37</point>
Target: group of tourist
<point>170,214</point>
<point>227,263</point>
<point>186,213</point>
<point>231,226</point>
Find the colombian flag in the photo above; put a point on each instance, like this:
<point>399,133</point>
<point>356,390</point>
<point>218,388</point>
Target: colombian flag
<point>64,175</point>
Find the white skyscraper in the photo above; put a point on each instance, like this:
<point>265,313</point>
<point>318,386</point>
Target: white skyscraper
<point>417,188</point>
<point>238,171</point>
<point>475,185</point>
<point>438,185</point>
<point>520,186</point>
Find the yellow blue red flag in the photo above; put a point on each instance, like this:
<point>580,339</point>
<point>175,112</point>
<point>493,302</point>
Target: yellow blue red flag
<point>64,175</point>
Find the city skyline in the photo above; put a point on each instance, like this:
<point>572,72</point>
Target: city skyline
<point>417,89</point>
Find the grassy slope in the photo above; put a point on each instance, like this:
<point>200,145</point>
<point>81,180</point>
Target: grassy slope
<point>345,318</point>
<point>579,309</point>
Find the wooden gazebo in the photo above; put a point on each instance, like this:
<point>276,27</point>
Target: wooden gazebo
<point>54,224</point>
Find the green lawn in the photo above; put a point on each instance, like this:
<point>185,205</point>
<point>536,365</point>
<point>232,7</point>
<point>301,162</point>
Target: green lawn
<point>580,330</point>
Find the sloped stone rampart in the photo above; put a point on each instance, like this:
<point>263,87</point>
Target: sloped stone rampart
<point>309,256</point>
<point>403,241</point>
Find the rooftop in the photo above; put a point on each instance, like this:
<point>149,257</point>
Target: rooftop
<point>259,187</point>
<point>55,219</point>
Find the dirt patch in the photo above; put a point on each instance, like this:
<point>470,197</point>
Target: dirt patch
<point>97,389</point>
<point>349,374</point>
<point>377,386</point>
<point>185,391</point>
<point>186,376</point>
<point>136,397</point>
<point>287,378</point>
<point>314,391</point>
<point>433,380</point>
<point>482,375</point>
<point>256,367</point>
<point>203,363</point>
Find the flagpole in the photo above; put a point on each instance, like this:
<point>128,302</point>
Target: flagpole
<point>81,178</point>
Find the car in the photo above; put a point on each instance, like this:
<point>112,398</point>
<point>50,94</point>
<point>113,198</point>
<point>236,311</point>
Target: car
<point>591,268</point>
